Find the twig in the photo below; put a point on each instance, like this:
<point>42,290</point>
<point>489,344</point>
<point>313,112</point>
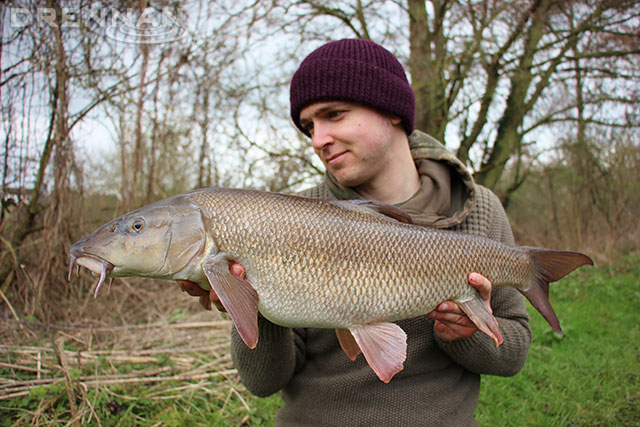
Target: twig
<point>14,395</point>
<point>26,386</point>
<point>244,402</point>
<point>96,328</point>
<point>23,368</point>
<point>5,285</point>
<point>177,389</point>
<point>96,381</point>
<point>234,391</point>
<point>58,342</point>
<point>13,312</point>
<point>30,384</point>
<point>162,379</point>
<point>39,365</point>
<point>85,398</point>
<point>33,350</point>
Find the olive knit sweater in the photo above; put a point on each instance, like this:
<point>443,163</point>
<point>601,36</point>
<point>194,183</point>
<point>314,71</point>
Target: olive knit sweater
<point>440,382</point>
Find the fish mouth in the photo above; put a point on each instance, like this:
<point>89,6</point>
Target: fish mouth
<point>93,263</point>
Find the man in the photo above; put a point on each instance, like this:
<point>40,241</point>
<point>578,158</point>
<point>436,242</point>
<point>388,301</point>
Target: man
<point>353,99</point>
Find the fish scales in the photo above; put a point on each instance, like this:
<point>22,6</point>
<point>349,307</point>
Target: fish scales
<point>355,266</point>
<point>301,254</point>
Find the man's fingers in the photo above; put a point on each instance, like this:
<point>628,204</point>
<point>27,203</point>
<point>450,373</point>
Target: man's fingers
<point>209,297</point>
<point>452,318</point>
<point>451,323</point>
<point>238,270</point>
<point>482,284</point>
<point>448,307</point>
<point>451,332</point>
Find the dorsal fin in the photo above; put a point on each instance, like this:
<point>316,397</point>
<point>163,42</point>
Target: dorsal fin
<point>376,207</point>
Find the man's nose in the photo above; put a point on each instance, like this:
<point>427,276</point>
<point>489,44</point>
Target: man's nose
<point>321,137</point>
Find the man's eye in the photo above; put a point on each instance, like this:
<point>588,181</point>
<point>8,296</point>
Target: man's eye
<point>335,114</point>
<point>308,127</point>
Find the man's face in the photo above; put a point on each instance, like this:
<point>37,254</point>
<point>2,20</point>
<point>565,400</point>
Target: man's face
<point>353,141</point>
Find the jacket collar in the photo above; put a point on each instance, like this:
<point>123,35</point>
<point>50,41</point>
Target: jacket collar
<point>447,192</point>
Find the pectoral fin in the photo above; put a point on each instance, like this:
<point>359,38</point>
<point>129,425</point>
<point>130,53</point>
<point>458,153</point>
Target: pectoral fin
<point>236,295</point>
<point>384,345</point>
<point>477,312</point>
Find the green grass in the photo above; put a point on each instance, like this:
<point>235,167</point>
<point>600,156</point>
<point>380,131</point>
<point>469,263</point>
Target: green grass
<point>187,409</point>
<point>172,403</point>
<point>590,375</point>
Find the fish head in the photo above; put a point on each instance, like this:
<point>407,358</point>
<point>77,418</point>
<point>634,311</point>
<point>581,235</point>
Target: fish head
<point>163,240</point>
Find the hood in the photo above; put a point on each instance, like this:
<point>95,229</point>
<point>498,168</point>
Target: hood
<point>447,191</point>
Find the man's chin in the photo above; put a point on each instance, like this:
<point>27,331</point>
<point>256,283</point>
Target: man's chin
<point>346,180</point>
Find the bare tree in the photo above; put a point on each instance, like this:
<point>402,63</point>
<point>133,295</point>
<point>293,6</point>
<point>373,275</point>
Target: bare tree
<point>50,47</point>
<point>488,68</point>
<point>499,81</point>
<point>43,59</point>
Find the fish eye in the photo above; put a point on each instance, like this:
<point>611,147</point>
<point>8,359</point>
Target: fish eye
<point>137,225</point>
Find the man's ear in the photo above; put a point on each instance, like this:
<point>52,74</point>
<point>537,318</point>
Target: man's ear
<point>395,120</point>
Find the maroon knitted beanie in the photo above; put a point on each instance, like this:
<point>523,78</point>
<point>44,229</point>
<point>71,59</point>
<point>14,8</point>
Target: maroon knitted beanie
<point>354,70</point>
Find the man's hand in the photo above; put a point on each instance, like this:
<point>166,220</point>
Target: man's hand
<point>451,322</point>
<point>208,297</point>
<point>237,270</point>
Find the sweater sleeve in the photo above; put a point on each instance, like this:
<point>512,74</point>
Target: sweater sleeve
<point>479,353</point>
<point>267,368</point>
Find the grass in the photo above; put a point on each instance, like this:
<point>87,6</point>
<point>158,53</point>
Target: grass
<point>141,406</point>
<point>146,362</point>
<point>176,376</point>
<point>189,382</point>
<point>590,375</point>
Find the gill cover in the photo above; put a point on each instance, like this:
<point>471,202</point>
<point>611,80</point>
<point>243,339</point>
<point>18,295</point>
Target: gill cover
<point>160,240</point>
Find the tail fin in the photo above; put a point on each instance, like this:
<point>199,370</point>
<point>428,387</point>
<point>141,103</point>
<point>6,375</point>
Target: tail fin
<point>550,265</point>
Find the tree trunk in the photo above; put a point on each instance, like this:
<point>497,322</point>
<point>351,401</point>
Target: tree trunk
<point>426,64</point>
<point>136,169</point>
<point>508,137</point>
<point>56,142</point>
<point>204,145</point>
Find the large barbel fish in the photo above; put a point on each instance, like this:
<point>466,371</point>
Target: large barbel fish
<point>355,266</point>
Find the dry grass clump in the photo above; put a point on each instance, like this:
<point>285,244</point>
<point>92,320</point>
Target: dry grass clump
<point>144,339</point>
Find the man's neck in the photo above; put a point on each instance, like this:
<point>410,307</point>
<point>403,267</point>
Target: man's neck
<point>397,182</point>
